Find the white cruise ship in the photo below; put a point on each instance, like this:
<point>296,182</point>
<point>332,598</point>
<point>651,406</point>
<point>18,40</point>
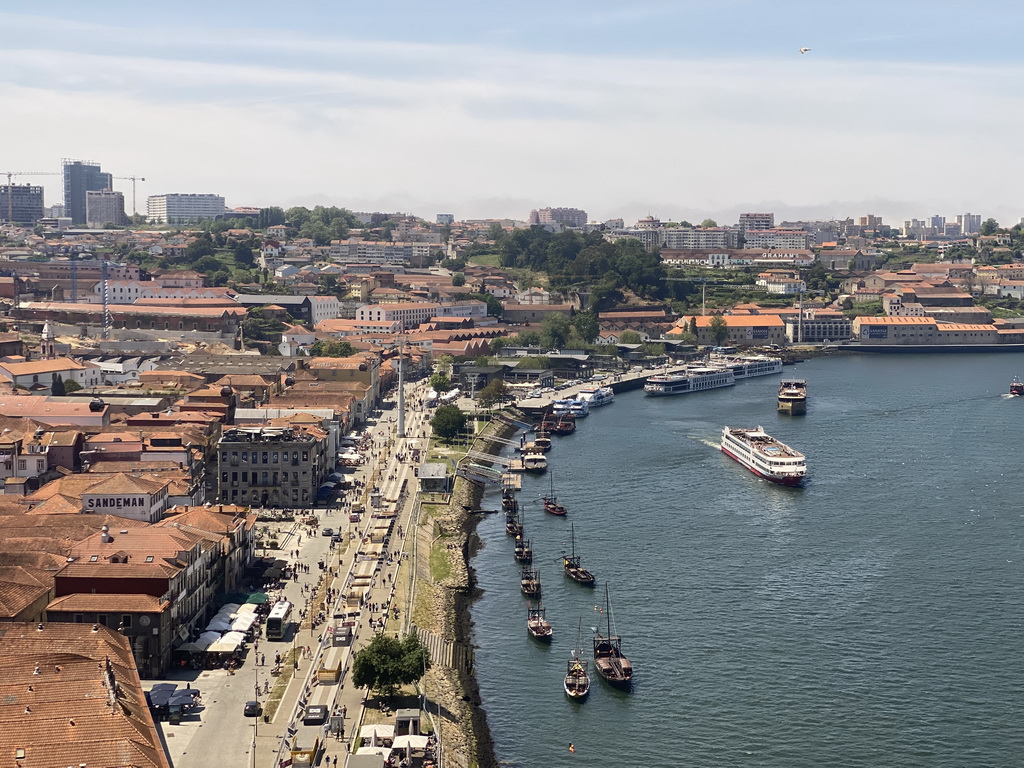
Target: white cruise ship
<point>763,455</point>
<point>746,367</point>
<point>689,380</point>
<point>596,396</point>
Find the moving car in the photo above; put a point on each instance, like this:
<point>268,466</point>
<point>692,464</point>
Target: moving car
<point>252,709</point>
<point>327,532</point>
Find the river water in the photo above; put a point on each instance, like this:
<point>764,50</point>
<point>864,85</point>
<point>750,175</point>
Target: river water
<point>872,618</point>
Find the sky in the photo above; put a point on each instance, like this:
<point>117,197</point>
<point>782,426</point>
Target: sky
<point>682,110</point>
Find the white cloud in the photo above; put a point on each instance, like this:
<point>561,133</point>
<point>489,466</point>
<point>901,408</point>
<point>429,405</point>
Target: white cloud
<point>476,130</point>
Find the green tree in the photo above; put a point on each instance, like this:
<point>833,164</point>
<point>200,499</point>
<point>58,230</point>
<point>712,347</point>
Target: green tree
<point>270,217</point>
<point>554,330</point>
<point>440,382</point>
<point>70,385</point>
<point>709,223</point>
<point>448,421</point>
<point>259,328</point>
<point>331,348</point>
<point>495,231</point>
<point>458,279</point>
<point>444,364</point>
<point>630,337</point>
<point>493,393</point>
<point>718,329</point>
<point>57,388</point>
<point>586,326</point>
<point>388,663</point>
<point>989,226</point>
<point>200,247</point>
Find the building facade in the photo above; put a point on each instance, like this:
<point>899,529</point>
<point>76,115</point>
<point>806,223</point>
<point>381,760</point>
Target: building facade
<point>272,466</point>
<point>749,221</point>
<point>697,238</point>
<point>104,207</point>
<point>571,217</point>
<point>24,201</point>
<point>183,208</point>
<point>79,178</point>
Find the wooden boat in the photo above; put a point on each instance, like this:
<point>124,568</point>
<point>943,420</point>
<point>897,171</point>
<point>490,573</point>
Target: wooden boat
<point>537,624</point>
<point>1016,386</point>
<point>529,582</point>
<point>615,668</point>
<point>513,524</point>
<point>565,425</point>
<point>508,500</point>
<point>542,441</point>
<point>523,552</point>
<point>577,680</point>
<point>573,568</point>
<point>551,505</point>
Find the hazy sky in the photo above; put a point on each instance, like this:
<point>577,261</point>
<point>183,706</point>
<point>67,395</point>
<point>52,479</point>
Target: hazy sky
<point>679,109</point>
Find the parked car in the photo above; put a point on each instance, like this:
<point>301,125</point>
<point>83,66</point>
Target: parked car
<point>252,709</point>
<point>336,538</point>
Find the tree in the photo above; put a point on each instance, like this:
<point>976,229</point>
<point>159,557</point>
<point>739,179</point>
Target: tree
<point>495,231</point>
<point>989,226</point>
<point>57,388</point>
<point>458,279</point>
<point>585,324</point>
<point>709,223</point>
<point>495,392</point>
<point>331,348</point>
<point>440,382</point>
<point>554,330</point>
<point>629,337</point>
<point>444,364</point>
<point>388,663</point>
<point>719,329</point>
<point>448,421</point>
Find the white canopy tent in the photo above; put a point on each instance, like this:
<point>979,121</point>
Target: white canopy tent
<point>377,732</point>
<point>243,622</point>
<point>384,752</point>
<point>219,624</point>
<point>227,644</point>
<point>409,741</point>
<point>207,639</point>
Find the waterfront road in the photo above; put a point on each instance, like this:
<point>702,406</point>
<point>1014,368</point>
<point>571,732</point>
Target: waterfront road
<point>218,733</point>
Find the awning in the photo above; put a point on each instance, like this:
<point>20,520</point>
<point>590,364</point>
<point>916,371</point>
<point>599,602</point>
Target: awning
<point>409,741</point>
<point>377,731</point>
<point>350,456</point>
<point>207,639</point>
<point>227,644</point>
<point>256,598</point>
<point>384,752</point>
<point>219,624</point>
<point>243,622</point>
<point>188,648</point>
<point>249,609</point>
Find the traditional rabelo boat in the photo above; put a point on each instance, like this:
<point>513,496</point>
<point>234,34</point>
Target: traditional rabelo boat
<point>529,582</point>
<point>577,681</point>
<point>542,441</point>
<point>573,568</point>
<point>551,505</point>
<point>615,668</point>
<point>524,550</point>
<point>508,500</point>
<point>537,624</point>
<point>566,424</point>
<point>513,523</point>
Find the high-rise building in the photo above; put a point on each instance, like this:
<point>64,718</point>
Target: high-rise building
<point>79,178</point>
<point>760,221</point>
<point>970,223</point>
<point>24,201</point>
<point>870,221</point>
<point>445,219</point>
<point>104,207</point>
<point>937,223</point>
<point>571,217</point>
<point>183,208</point>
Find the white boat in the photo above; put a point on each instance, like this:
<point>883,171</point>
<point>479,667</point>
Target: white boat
<point>596,396</point>
<point>560,407</point>
<point>688,380</point>
<point>579,408</point>
<point>748,366</point>
<point>763,455</point>
<point>535,462</point>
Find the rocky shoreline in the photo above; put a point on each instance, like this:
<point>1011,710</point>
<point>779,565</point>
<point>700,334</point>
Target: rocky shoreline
<point>455,691</point>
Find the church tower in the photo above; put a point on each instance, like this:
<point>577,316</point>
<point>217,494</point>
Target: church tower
<point>49,351</point>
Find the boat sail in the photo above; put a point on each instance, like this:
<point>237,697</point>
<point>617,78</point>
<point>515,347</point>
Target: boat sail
<point>551,505</point>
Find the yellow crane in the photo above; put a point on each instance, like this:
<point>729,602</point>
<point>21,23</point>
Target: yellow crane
<point>10,187</point>
<point>132,179</point>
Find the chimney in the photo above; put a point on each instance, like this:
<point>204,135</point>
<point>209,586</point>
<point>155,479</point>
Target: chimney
<point>106,538</point>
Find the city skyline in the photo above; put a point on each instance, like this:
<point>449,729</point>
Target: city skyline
<point>680,110</point>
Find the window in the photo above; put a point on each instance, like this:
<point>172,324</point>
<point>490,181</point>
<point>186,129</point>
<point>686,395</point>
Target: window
<point>245,457</point>
<point>265,459</point>
<point>149,558</point>
<point>21,464</point>
<point>79,618</point>
<point>94,558</point>
<point>126,620</point>
<point>305,455</point>
<point>245,477</point>
<point>274,457</point>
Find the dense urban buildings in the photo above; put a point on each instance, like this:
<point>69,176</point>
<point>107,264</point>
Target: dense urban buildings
<point>79,178</point>
<point>183,208</point>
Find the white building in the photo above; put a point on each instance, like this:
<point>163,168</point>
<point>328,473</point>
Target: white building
<point>295,340</point>
<point>699,238</point>
<point>776,238</point>
<point>783,283</point>
<point>324,308</point>
<point>750,221</point>
<point>183,208</point>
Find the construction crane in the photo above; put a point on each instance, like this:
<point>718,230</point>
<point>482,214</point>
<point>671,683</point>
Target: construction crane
<point>10,187</point>
<point>132,179</point>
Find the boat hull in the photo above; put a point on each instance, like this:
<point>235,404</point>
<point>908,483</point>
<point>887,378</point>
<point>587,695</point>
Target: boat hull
<point>792,407</point>
<point>787,480</point>
<point>614,676</point>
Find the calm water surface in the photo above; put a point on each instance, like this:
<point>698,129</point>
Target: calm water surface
<point>873,618</point>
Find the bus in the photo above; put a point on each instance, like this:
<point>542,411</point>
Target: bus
<point>277,621</point>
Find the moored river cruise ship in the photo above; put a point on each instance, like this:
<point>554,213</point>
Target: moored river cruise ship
<point>688,380</point>
<point>763,455</point>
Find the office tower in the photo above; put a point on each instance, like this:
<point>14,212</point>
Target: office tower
<point>23,203</point>
<point>79,178</point>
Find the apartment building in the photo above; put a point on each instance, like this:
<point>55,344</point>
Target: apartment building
<point>183,208</point>
<point>24,201</point>
<point>701,238</point>
<point>756,221</point>
<point>571,217</point>
<point>105,207</point>
<point>776,238</point>
<point>272,466</point>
